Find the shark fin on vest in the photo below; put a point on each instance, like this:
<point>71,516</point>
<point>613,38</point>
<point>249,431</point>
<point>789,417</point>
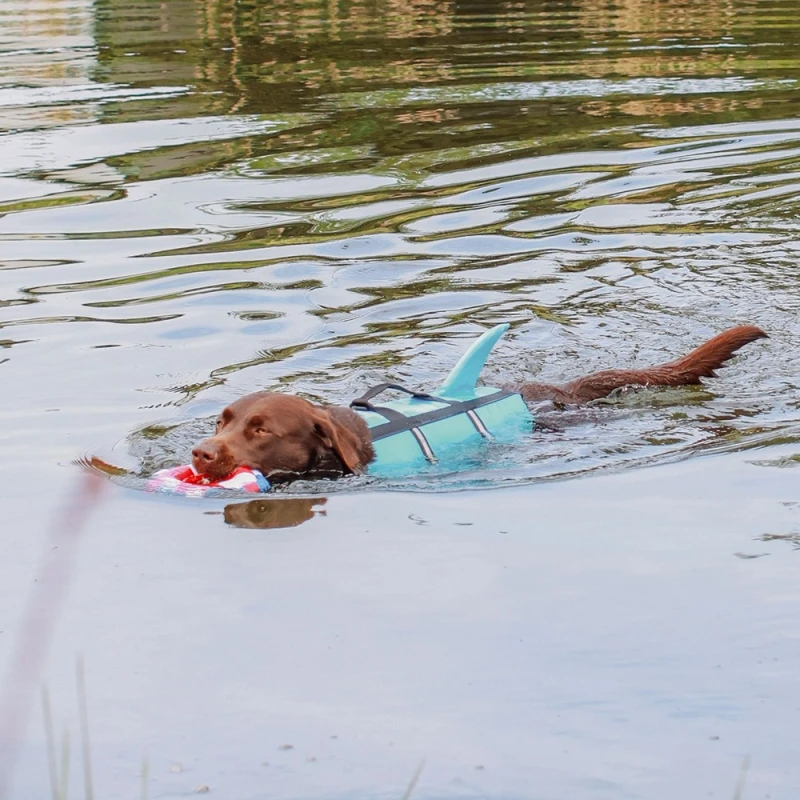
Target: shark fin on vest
<point>461,381</point>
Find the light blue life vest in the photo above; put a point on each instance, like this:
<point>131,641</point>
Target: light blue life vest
<point>445,429</point>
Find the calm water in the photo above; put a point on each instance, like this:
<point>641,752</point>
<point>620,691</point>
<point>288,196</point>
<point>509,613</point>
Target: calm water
<point>201,198</point>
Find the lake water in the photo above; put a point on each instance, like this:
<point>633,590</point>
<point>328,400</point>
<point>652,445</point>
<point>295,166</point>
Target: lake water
<point>203,198</point>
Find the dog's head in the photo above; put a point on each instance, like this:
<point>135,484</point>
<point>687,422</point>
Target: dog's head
<point>284,437</point>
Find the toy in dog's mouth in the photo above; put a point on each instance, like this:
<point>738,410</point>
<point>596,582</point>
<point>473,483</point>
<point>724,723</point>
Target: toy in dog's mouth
<point>183,480</point>
<point>186,480</point>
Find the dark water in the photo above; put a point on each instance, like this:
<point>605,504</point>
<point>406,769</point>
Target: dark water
<point>200,198</point>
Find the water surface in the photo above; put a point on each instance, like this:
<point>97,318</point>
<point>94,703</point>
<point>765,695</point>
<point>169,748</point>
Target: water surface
<point>202,199</point>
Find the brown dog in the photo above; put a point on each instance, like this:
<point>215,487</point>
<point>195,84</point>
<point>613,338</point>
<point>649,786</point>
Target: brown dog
<point>287,438</point>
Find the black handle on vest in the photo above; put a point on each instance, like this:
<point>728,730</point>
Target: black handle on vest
<point>364,400</point>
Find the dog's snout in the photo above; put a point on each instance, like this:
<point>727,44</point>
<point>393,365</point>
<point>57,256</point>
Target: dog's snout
<point>210,458</point>
<point>204,453</point>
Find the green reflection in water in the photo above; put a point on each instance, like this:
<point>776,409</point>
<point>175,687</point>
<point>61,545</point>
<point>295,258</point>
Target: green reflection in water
<point>398,78</point>
<point>388,176</point>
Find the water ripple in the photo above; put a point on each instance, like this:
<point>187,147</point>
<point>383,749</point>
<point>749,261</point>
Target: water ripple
<point>339,216</point>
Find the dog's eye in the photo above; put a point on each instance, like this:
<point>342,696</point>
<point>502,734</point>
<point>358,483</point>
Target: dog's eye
<point>219,424</point>
<point>261,431</point>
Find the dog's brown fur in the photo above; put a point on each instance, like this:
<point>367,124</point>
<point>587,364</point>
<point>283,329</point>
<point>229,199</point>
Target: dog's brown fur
<point>686,371</point>
<point>287,438</point>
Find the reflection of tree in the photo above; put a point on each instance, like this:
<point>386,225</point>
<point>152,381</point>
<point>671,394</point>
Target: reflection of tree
<point>270,54</point>
<point>662,107</point>
<point>63,29</point>
<point>713,19</point>
<point>409,86</point>
<point>59,24</point>
<point>252,56</point>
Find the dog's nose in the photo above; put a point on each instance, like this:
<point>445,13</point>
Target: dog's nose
<point>204,454</point>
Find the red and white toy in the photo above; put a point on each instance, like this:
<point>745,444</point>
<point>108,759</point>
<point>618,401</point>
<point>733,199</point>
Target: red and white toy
<point>186,481</point>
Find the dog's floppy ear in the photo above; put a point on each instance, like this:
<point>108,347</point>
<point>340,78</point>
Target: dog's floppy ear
<point>340,439</point>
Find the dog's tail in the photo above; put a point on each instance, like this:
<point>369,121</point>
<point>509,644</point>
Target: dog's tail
<point>686,371</point>
<point>702,362</point>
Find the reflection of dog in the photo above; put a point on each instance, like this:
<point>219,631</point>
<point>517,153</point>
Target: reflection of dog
<point>284,513</point>
<point>287,438</point>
